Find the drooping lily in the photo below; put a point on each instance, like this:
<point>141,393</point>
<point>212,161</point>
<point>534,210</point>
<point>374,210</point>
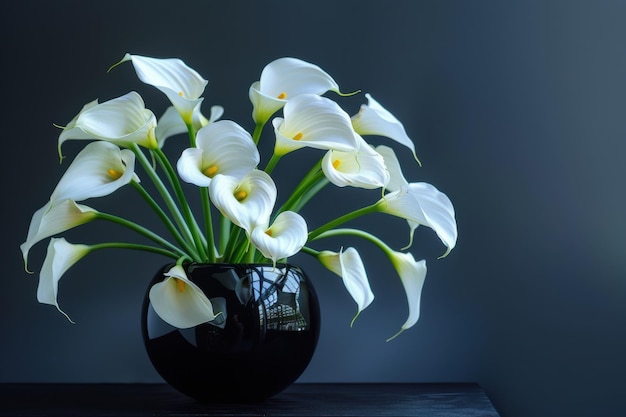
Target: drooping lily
<point>374,119</point>
<point>182,85</point>
<point>180,302</point>
<point>223,147</point>
<point>284,238</point>
<point>247,202</point>
<point>55,218</point>
<point>316,122</point>
<point>349,266</point>
<point>122,121</point>
<point>283,79</point>
<point>396,178</point>
<point>172,124</point>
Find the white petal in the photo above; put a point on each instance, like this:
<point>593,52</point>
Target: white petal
<point>172,124</point>
<point>364,168</point>
<point>412,274</point>
<point>180,302</point>
<point>396,178</point>
<point>284,238</point>
<point>189,167</point>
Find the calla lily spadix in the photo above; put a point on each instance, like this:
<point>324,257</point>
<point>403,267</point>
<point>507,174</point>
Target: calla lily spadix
<point>53,219</point>
<point>182,85</point>
<point>283,79</point>
<point>172,124</point>
<point>247,202</point>
<point>349,266</point>
<point>60,257</point>
<point>122,121</point>
<point>363,168</point>
<point>374,119</point>
<point>412,275</point>
<point>315,122</point>
<point>180,302</point>
<point>284,238</point>
<point>222,147</point>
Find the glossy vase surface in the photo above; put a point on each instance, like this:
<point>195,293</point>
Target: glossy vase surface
<point>261,344</point>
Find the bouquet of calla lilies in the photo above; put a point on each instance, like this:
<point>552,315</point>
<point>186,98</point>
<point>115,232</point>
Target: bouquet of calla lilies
<point>240,221</point>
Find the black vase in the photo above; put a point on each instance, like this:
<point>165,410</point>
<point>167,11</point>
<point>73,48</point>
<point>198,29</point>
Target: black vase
<point>260,345</point>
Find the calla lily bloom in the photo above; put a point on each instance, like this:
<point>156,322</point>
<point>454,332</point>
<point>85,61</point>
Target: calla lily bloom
<point>172,124</point>
<point>122,121</point>
<point>412,274</point>
<point>60,257</point>
<point>374,119</point>
<point>363,168</point>
<point>284,238</point>
<point>222,147</point>
<point>182,85</point>
<point>349,266</point>
<point>283,79</point>
<point>180,302</point>
<point>53,219</point>
<point>247,202</point>
<point>316,122</point>
<point>396,178</point>
<point>422,203</point>
<point>98,170</point>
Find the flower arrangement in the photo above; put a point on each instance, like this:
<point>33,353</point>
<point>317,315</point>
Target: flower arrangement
<point>240,222</point>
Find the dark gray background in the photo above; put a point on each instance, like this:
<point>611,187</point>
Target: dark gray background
<point>518,111</point>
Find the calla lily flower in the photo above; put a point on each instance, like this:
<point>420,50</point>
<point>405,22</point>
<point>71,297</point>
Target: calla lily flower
<point>180,302</point>
<point>349,266</point>
<point>122,121</point>
<point>422,203</point>
<point>98,170</point>
<point>412,274</point>
<point>396,178</point>
<point>172,124</point>
<point>363,168</point>
<point>53,219</point>
<point>316,122</point>
<point>247,202</point>
<point>182,85</point>
<point>60,257</point>
<point>284,238</point>
<point>374,119</point>
<point>223,147</point>
<point>283,79</point>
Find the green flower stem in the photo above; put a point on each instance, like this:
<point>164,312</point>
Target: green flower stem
<point>359,233</point>
<point>208,223</point>
<point>233,240</point>
<point>225,227</point>
<point>134,246</point>
<point>307,182</point>
<point>272,163</point>
<point>342,219</point>
<point>142,231</point>
<point>310,251</point>
<point>192,134</point>
<point>310,193</point>
<point>256,135</point>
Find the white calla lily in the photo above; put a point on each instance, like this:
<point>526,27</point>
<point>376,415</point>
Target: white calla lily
<point>53,219</point>
<point>374,119</point>
<point>180,302</point>
<point>363,168</point>
<point>396,178</point>
<point>60,257</point>
<point>247,202</point>
<point>283,79</point>
<point>349,266</point>
<point>182,85</point>
<point>99,169</point>
<point>172,124</point>
<point>222,147</point>
<point>412,274</point>
<point>284,238</point>
<point>122,121</point>
<point>316,122</point>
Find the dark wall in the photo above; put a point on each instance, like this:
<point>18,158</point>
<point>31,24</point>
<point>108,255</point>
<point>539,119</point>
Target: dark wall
<point>518,114</point>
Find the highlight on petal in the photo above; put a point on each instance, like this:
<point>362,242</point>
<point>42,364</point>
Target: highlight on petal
<point>396,178</point>
<point>99,169</point>
<point>412,274</point>
<point>182,85</point>
<point>349,266</point>
<point>53,219</point>
<point>374,119</point>
<point>60,257</point>
<point>284,238</point>
<point>172,124</point>
<point>247,202</point>
<point>316,122</point>
<point>222,147</point>
<point>122,121</point>
<point>363,168</point>
<point>283,79</point>
<point>180,302</point>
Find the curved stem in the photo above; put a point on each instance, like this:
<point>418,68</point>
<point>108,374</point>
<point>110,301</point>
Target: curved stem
<point>359,233</point>
<point>256,135</point>
<point>342,219</point>
<point>134,246</point>
<point>272,163</point>
<point>306,183</point>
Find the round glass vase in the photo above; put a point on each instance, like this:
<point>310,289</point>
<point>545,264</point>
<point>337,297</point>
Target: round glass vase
<point>260,345</point>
